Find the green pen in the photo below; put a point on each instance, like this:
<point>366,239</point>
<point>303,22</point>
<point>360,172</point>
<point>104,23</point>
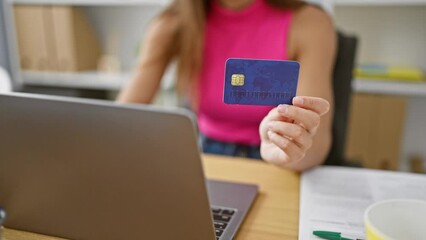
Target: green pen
<point>331,235</point>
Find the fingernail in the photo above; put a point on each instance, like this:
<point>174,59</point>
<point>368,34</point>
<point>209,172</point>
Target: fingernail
<point>270,125</point>
<point>282,108</point>
<point>298,101</point>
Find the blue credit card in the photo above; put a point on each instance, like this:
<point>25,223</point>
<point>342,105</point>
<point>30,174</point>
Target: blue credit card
<point>260,82</point>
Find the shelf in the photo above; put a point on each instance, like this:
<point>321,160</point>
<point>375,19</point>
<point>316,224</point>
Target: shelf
<point>114,82</point>
<point>83,80</point>
<point>86,80</point>
<point>390,87</point>
<point>95,2</point>
<point>379,2</point>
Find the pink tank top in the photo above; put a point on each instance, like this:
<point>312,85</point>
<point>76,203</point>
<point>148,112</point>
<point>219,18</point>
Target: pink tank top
<point>257,31</point>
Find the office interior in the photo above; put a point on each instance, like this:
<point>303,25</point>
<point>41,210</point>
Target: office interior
<point>385,128</point>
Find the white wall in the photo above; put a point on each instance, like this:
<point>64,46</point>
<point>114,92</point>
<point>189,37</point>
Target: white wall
<point>392,34</point>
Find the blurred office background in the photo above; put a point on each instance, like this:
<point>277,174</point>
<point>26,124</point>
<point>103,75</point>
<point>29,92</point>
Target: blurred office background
<point>88,48</point>
<point>3,52</point>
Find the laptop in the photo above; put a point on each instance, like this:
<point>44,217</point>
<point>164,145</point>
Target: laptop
<point>91,169</point>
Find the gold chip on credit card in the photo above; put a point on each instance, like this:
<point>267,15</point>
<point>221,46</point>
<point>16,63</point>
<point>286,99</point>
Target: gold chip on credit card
<point>237,80</point>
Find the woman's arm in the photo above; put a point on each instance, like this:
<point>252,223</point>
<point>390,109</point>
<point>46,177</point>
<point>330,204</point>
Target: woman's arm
<point>156,53</point>
<point>299,136</point>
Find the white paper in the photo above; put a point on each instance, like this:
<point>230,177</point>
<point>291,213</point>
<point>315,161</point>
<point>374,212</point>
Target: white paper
<point>335,198</point>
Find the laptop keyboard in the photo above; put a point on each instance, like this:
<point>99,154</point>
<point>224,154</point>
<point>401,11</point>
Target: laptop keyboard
<point>221,219</point>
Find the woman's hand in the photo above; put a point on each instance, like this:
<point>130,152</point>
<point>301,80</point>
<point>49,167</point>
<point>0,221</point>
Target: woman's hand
<point>287,132</point>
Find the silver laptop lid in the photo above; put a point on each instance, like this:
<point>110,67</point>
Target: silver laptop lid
<point>86,169</point>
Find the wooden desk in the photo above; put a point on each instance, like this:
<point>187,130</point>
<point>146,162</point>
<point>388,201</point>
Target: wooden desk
<point>275,213</point>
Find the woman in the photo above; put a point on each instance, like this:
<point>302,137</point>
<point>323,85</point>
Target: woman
<point>201,35</point>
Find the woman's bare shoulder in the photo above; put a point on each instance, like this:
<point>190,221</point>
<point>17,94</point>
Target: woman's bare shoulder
<point>312,27</point>
<point>165,26</point>
<point>310,16</point>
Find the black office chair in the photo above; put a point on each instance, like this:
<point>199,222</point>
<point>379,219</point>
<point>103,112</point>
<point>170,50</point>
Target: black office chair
<point>342,79</point>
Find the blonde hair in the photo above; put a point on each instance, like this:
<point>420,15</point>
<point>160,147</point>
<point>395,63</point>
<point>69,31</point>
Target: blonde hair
<point>189,38</point>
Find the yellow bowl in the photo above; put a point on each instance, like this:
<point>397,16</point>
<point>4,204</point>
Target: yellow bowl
<point>399,219</point>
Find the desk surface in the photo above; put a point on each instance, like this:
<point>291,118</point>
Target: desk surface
<point>275,213</point>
